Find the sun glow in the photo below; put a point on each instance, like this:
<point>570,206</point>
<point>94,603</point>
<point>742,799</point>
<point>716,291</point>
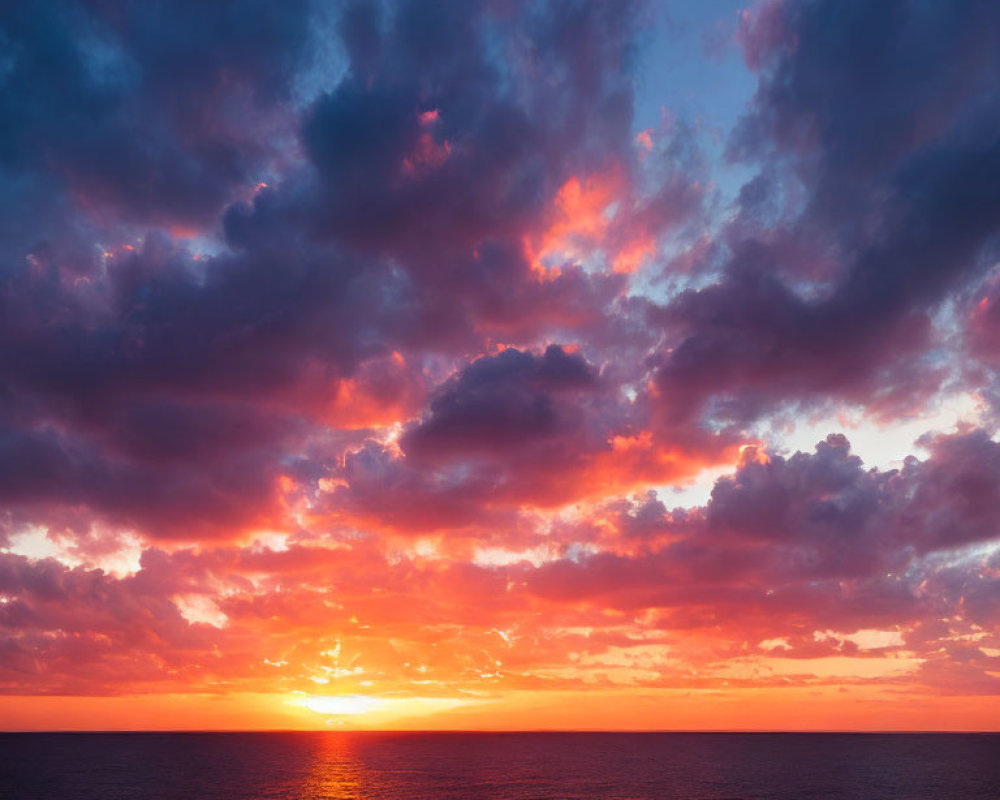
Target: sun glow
<point>365,711</point>
<point>347,705</point>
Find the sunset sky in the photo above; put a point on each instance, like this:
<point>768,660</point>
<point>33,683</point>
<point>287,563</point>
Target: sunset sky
<point>500,365</point>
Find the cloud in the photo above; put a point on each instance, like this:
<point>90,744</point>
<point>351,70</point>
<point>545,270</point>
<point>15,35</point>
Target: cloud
<point>861,221</point>
<point>836,572</point>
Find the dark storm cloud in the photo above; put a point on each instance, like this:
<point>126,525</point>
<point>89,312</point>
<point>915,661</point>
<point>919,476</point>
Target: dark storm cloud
<point>508,427</point>
<point>516,429</point>
<point>883,122</point>
<point>501,402</point>
<point>453,128</point>
<point>820,541</point>
<point>145,112</point>
<point>174,386</point>
<point>140,373</point>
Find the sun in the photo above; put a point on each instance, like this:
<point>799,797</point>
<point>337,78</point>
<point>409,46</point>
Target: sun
<point>347,705</point>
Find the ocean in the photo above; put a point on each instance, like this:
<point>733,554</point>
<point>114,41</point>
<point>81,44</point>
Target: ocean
<point>518,766</point>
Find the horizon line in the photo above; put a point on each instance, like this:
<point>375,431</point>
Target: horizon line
<point>485,731</point>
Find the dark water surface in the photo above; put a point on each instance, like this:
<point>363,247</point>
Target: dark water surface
<point>409,766</point>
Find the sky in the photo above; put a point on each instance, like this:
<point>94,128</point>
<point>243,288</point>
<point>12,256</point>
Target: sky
<point>500,365</point>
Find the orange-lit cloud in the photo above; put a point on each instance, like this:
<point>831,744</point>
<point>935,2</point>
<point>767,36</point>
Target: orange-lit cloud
<point>591,215</point>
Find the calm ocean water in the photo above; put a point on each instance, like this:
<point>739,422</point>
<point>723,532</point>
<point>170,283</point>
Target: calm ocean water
<point>410,766</point>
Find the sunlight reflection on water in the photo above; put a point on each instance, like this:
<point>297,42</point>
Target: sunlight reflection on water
<point>337,773</point>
